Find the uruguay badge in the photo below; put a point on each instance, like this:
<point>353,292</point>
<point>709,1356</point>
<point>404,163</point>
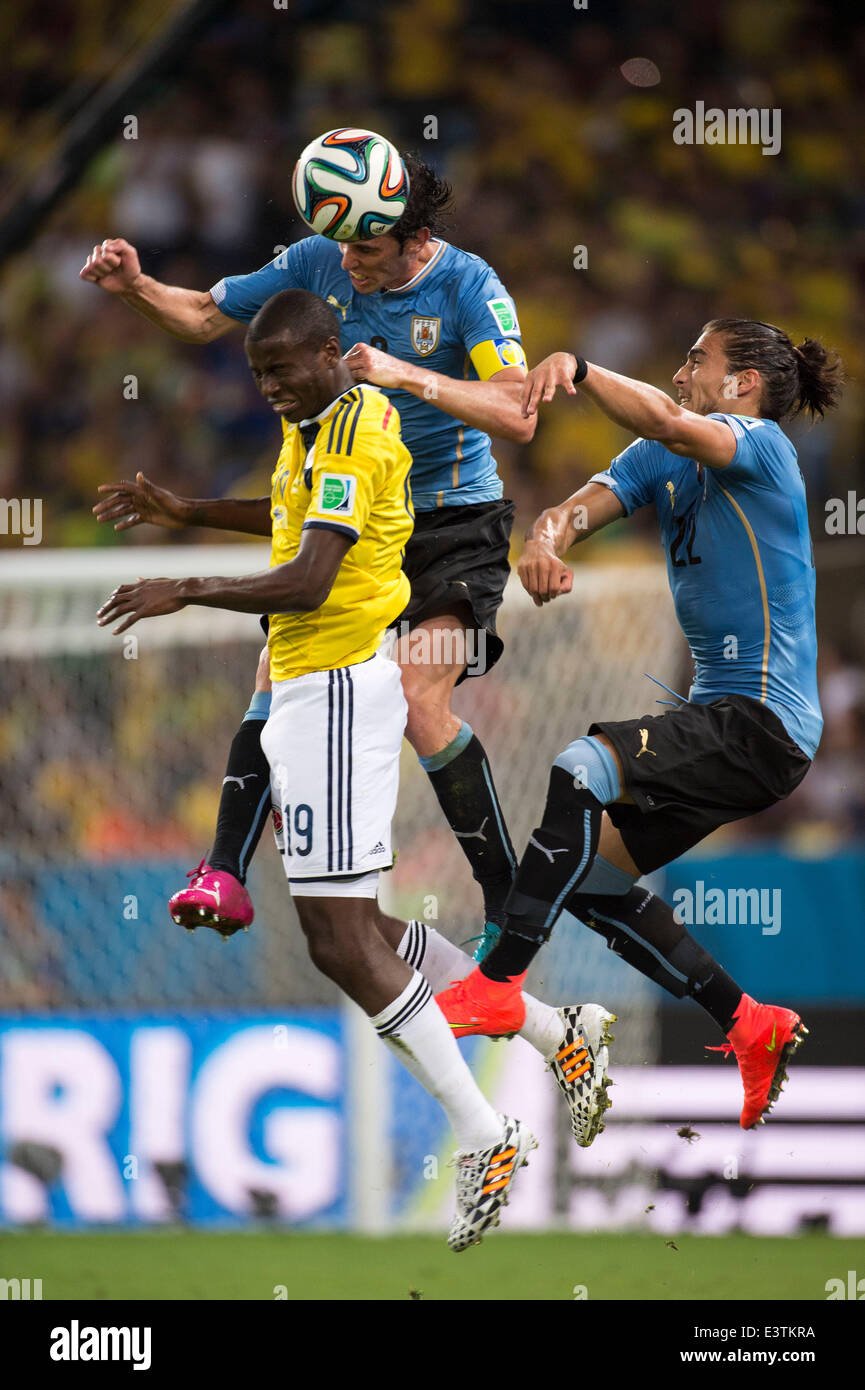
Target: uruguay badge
<point>425,335</point>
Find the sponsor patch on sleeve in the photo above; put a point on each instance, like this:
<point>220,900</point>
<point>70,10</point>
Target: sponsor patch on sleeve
<point>505,314</point>
<point>336,494</point>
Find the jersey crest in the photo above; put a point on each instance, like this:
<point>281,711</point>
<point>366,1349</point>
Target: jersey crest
<point>425,334</point>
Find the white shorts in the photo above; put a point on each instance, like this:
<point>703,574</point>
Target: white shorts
<point>333,742</point>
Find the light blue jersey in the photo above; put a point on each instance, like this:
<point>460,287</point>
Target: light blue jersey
<point>740,566</point>
<point>454,317</point>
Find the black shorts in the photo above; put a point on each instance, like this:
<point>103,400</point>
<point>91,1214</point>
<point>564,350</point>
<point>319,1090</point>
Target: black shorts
<point>696,768</point>
<point>459,556</point>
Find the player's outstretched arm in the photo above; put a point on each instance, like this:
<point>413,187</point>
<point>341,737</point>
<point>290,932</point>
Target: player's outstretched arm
<point>541,383</point>
<point>128,504</point>
<point>300,586</point>
<point>541,571</point>
<point>636,405</point>
<point>187,314</point>
<point>494,406</point>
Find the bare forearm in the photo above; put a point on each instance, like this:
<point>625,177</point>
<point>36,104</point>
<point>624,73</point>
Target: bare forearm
<point>586,511</point>
<point>187,314</point>
<point>249,515</point>
<point>283,589</point>
<point>634,404</point>
<point>492,406</point>
<point>555,529</point>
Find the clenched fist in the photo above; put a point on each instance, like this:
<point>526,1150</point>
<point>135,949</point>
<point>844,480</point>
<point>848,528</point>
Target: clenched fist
<point>543,574</point>
<point>114,266</point>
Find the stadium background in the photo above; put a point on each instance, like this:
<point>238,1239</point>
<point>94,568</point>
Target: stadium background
<point>110,767</point>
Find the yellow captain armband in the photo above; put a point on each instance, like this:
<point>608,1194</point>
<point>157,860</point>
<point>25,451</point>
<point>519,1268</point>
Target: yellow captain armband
<point>496,354</point>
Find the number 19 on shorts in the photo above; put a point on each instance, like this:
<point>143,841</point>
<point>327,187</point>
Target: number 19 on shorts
<point>293,829</point>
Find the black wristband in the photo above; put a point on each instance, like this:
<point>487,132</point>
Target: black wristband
<point>582,369</point>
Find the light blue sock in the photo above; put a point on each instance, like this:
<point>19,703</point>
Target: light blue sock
<point>593,765</point>
<point>436,761</point>
<point>259,706</point>
<point>607,879</point>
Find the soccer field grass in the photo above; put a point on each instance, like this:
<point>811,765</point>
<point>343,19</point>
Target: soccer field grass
<point>257,1265</point>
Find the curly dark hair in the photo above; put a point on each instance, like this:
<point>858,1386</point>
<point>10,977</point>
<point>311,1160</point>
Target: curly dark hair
<point>429,203</point>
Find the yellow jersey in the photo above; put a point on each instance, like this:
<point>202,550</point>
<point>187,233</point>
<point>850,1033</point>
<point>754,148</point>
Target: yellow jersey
<point>346,471</point>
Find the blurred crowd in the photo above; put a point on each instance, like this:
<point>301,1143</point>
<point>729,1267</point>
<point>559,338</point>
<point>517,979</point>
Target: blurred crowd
<point>550,147</point>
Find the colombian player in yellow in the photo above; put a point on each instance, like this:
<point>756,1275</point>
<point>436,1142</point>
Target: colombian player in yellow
<point>340,515</point>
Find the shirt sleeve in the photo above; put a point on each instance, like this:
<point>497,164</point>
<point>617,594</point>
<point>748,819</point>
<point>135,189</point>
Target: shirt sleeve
<point>633,474</point>
<point>488,324</point>
<point>241,296</point>
<point>752,438</point>
<point>346,470</point>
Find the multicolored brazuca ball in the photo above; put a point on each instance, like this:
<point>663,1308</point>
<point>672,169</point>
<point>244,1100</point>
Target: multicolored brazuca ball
<point>350,185</point>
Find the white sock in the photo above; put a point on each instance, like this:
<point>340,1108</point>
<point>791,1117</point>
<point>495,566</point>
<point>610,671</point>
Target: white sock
<point>441,961</point>
<point>417,1032</point>
<point>543,1028</point>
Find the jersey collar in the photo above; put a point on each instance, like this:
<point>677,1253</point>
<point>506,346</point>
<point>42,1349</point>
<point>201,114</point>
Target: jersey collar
<point>424,270</point>
<point>317,419</point>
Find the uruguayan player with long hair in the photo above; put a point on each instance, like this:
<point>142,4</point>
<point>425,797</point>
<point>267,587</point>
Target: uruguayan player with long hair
<point>631,795</point>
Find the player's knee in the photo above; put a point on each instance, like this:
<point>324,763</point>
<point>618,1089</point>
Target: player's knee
<point>428,680</point>
<point>337,942</point>
<point>322,938</point>
<point>593,768</point>
<point>324,953</point>
<point>262,675</point>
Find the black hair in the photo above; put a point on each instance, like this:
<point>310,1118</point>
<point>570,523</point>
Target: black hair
<point>806,377</point>
<point>429,203</point>
<point>299,312</point>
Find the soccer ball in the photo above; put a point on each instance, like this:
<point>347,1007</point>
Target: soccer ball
<point>350,185</point>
